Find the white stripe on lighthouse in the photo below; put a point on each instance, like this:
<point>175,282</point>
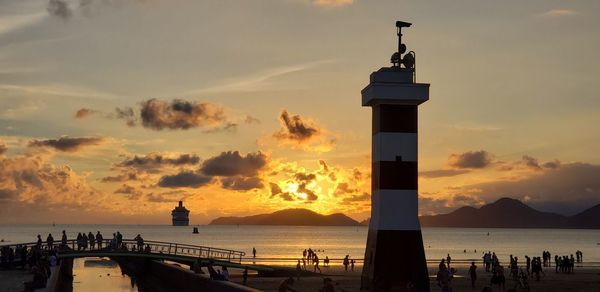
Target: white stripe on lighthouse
<point>388,146</point>
<point>395,210</point>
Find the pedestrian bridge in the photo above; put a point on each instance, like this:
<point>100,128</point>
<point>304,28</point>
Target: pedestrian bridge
<point>186,254</point>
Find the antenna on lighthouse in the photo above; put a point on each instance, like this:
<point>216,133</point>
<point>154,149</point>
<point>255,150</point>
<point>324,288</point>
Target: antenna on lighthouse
<point>397,59</point>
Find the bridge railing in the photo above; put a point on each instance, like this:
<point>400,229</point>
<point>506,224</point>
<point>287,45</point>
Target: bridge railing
<point>131,245</point>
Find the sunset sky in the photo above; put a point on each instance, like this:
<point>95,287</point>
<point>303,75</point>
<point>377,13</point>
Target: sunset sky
<point>112,111</point>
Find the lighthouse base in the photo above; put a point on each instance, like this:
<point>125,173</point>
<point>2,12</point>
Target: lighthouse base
<point>395,261</point>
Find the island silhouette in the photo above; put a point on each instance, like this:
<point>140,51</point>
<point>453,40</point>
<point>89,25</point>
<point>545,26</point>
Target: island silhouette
<point>503,213</point>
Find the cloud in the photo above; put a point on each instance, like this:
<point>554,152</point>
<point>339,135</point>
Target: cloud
<point>130,176</point>
<point>84,113</point>
<point>251,120</point>
<point>559,13</point>
<point>331,3</point>
<point>442,173</point>
<point>232,163</point>
<point>184,179</point>
<point>531,162</point>
<point>3,148</point>
<point>59,8</point>
<point>295,128</point>
<point>357,198</point>
<point>31,188</point>
<point>162,198</point>
<point>181,115</point>
<point>303,133</point>
<point>127,114</point>
<point>67,144</point>
<point>470,159</point>
<point>240,183</point>
<point>566,189</point>
<point>132,192</point>
<point>154,161</point>
<point>431,204</point>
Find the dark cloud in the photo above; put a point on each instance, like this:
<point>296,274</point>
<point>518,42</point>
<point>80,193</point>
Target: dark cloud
<point>131,192</point>
<point>305,177</point>
<point>251,120</point>
<point>184,179</point>
<point>127,114</point>
<point>154,161</point>
<point>531,162</point>
<point>59,8</point>
<point>8,195</point>
<point>162,198</point>
<point>3,148</point>
<point>344,188</point>
<point>552,164</point>
<point>181,115</point>
<point>84,113</point>
<point>566,189</point>
<point>357,198</point>
<point>470,159</point>
<point>67,144</point>
<point>310,195</point>
<point>130,176</point>
<point>232,163</point>
<point>276,191</point>
<point>442,173</point>
<point>241,183</point>
<point>295,128</point>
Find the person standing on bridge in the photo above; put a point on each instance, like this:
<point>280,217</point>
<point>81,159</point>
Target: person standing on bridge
<point>79,237</point>
<point>119,239</point>
<point>99,240</point>
<point>39,241</point>
<point>84,241</point>
<point>50,241</point>
<point>92,240</point>
<point>63,240</point>
<point>140,242</point>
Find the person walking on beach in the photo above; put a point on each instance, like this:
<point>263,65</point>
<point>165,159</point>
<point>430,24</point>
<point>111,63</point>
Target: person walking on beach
<point>444,278</point>
<point>346,263</point>
<point>298,270</point>
<point>352,264</point>
<point>316,263</point>
<point>326,261</point>
<point>448,259</point>
<point>473,274</point>
<point>254,252</point>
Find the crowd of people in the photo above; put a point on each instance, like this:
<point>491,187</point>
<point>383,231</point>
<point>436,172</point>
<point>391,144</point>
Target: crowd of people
<point>532,269</point>
<point>36,258</point>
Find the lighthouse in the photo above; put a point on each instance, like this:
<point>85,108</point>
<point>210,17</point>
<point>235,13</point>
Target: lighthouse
<point>394,257</point>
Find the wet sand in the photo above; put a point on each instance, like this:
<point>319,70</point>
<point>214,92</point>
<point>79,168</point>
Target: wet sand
<point>583,279</point>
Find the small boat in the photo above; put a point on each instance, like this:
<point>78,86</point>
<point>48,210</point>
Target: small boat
<point>195,230</point>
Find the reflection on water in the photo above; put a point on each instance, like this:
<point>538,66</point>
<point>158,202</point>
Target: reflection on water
<point>94,274</point>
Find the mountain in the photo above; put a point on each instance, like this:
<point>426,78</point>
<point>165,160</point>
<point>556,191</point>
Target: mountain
<point>588,219</point>
<point>511,213</point>
<point>299,217</point>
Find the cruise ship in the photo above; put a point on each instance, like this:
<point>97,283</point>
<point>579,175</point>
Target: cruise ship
<point>181,215</point>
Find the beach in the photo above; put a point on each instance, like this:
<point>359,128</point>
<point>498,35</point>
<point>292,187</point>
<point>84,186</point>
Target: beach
<point>583,279</point>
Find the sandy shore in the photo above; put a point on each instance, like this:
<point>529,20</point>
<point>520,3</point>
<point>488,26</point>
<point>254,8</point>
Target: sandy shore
<point>584,279</point>
<point>12,280</point>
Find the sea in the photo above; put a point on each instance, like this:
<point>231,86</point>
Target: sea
<point>284,244</point>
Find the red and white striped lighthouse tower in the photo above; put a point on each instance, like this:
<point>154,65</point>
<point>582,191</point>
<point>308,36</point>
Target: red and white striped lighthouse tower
<point>394,257</point>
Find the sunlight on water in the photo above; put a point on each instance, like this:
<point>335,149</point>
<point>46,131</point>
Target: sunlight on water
<point>94,274</point>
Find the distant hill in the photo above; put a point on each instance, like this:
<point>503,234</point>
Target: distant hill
<point>588,219</point>
<point>299,217</point>
<point>511,213</point>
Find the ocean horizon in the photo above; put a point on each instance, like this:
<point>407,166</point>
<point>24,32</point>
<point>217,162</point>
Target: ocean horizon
<point>288,242</point>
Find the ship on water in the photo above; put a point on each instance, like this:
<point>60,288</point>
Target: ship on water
<point>181,215</point>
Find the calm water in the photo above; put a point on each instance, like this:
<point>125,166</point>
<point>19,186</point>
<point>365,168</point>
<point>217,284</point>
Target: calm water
<point>284,241</point>
<point>288,242</point>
